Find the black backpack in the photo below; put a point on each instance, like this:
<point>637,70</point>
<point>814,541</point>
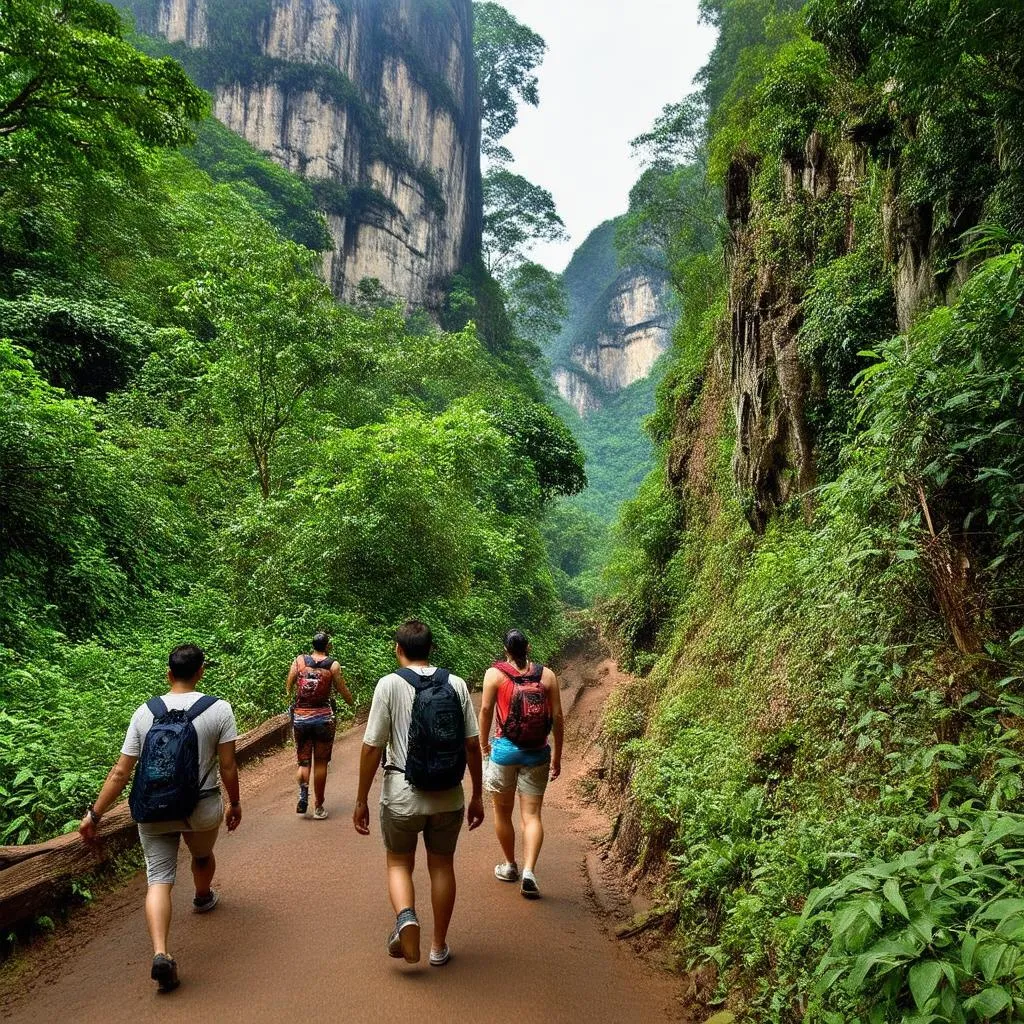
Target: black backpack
<point>436,757</point>
<point>167,786</point>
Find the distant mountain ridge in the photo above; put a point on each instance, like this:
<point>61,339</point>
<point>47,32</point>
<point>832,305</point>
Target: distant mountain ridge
<point>620,323</point>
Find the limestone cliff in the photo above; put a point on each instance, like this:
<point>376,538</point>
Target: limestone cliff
<point>374,101</point>
<point>620,323</point>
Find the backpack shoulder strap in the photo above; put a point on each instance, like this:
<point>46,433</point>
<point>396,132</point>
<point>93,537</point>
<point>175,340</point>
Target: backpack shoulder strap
<point>204,702</point>
<point>507,669</point>
<point>157,707</point>
<point>441,676</point>
<point>413,678</point>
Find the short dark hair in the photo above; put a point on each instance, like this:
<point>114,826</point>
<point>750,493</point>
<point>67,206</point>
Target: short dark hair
<point>517,645</point>
<point>321,642</point>
<point>415,639</point>
<point>185,661</point>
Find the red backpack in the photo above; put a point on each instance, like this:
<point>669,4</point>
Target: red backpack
<point>314,682</point>
<point>529,714</point>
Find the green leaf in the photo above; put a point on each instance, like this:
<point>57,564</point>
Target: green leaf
<point>924,978</point>
<point>891,891</point>
<point>990,1001</point>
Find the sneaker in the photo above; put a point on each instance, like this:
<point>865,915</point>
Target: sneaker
<point>303,804</point>
<point>165,973</point>
<point>528,887</point>
<point>320,813</point>
<point>439,957</point>
<point>404,941</point>
<point>507,872</point>
<point>204,904</point>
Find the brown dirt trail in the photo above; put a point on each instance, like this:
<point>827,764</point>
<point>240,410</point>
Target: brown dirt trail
<point>299,934</point>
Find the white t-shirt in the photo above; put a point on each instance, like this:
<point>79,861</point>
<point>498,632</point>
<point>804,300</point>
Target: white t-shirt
<point>214,726</point>
<point>388,725</point>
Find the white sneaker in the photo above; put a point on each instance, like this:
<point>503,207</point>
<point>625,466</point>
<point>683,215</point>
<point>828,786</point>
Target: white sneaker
<point>529,887</point>
<point>439,957</point>
<point>319,813</point>
<point>507,872</point>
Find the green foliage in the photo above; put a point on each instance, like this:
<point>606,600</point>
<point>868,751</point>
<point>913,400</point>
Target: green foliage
<point>197,442</point>
<point>73,91</point>
<point>517,214</point>
<point>824,753</point>
<point>507,52</point>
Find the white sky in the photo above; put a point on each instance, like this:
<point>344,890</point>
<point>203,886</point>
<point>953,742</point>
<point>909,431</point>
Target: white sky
<point>611,65</point>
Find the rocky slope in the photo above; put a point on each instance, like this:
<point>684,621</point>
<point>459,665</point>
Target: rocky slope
<point>620,323</point>
<point>374,101</point>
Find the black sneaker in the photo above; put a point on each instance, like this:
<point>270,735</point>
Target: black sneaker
<point>204,904</point>
<point>165,973</point>
<point>529,888</point>
<point>302,805</point>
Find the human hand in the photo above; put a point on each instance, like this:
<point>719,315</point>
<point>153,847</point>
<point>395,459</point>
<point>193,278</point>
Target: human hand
<point>475,813</point>
<point>87,830</point>
<point>233,817</point>
<point>556,770</point>
<point>361,818</point>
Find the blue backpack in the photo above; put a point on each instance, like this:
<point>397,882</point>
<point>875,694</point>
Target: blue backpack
<point>167,786</point>
<point>436,758</point>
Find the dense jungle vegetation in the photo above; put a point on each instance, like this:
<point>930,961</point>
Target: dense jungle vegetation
<point>197,442</point>
<point>822,584</point>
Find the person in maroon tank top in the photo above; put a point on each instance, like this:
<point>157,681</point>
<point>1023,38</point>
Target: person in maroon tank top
<point>315,678</point>
<point>524,699</point>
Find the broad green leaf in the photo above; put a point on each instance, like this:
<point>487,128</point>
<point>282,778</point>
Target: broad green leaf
<point>891,891</point>
<point>924,978</point>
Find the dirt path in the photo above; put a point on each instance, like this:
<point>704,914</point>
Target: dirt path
<point>300,931</point>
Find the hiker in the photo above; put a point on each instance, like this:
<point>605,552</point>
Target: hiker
<point>422,719</point>
<point>315,677</point>
<point>175,744</point>
<point>528,705</point>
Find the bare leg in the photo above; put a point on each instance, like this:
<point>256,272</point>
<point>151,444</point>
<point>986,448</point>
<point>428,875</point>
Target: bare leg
<point>442,895</point>
<point>202,867</point>
<point>503,827</point>
<point>319,780</point>
<point>158,915</point>
<point>400,887</point>
<point>302,775</point>
<point>533,829</point>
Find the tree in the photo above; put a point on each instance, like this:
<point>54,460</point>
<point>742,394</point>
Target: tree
<point>72,89</point>
<point>506,53</point>
<point>538,305</point>
<point>516,214</point>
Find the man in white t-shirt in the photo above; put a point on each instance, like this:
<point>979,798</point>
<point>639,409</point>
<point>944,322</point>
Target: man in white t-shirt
<point>216,732</point>
<point>405,810</point>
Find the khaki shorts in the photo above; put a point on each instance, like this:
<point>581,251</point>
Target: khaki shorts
<point>512,778</point>
<point>160,840</point>
<point>440,831</point>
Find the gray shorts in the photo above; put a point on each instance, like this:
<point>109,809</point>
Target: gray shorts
<point>512,778</point>
<point>440,831</point>
<point>160,840</point>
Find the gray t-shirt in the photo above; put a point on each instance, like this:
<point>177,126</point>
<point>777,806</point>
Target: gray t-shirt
<point>214,726</point>
<point>388,725</point>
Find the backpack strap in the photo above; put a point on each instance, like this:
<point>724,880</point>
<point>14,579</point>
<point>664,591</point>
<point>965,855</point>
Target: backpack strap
<point>157,707</point>
<point>421,682</point>
<point>204,702</point>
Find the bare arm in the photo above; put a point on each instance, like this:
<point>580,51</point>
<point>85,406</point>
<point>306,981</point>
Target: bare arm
<point>492,680</point>
<point>557,721</point>
<point>229,776</point>
<point>112,788</point>
<point>369,762</point>
<point>289,683</point>
<point>341,686</point>
<point>475,763</point>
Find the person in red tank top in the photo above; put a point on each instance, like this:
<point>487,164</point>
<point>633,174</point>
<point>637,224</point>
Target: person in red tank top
<point>525,699</point>
<point>315,678</point>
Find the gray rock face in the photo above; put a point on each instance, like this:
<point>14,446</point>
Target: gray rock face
<point>619,345</point>
<point>376,96</point>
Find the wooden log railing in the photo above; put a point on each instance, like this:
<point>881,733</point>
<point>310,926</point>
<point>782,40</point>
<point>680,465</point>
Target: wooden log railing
<point>33,876</point>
